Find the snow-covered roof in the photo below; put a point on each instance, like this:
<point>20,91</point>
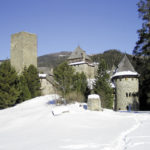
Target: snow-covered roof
<point>93,96</point>
<point>124,73</point>
<point>81,62</point>
<point>42,75</point>
<point>78,63</point>
<point>125,68</point>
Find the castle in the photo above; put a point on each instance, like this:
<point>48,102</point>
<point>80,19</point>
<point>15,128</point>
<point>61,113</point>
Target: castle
<point>125,79</point>
<point>82,63</point>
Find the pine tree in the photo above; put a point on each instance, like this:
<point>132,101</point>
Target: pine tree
<point>33,81</point>
<point>80,84</point>
<point>102,85</point>
<point>142,53</point>
<point>63,74</point>
<point>72,85</point>
<point>23,85</point>
<point>9,85</point>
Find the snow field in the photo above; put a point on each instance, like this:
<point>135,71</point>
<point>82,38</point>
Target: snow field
<point>31,125</point>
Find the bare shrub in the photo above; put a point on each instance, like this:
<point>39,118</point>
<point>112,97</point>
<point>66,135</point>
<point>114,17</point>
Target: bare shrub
<point>74,97</point>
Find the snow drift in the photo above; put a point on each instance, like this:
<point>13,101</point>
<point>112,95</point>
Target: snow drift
<point>32,126</point>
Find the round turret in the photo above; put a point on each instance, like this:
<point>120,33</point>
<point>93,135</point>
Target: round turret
<point>126,86</point>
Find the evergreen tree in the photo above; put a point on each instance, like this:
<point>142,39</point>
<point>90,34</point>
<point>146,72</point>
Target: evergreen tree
<point>80,84</point>
<point>142,53</point>
<point>33,81</point>
<point>72,85</point>
<point>63,74</point>
<point>9,85</point>
<point>25,93</point>
<point>102,85</point>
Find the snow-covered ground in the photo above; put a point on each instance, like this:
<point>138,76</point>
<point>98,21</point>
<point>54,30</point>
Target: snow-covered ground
<point>32,126</point>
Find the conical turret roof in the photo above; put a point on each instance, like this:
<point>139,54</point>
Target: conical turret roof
<point>125,68</point>
<point>125,65</point>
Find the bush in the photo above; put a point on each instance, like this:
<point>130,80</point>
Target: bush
<point>74,97</point>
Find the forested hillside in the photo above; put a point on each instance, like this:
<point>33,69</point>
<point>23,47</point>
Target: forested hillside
<point>52,60</point>
<point>112,57</point>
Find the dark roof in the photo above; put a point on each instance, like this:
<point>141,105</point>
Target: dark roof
<point>125,65</point>
<point>78,53</point>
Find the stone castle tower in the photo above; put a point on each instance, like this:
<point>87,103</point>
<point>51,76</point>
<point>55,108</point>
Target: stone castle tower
<point>23,50</point>
<point>82,63</point>
<point>126,84</point>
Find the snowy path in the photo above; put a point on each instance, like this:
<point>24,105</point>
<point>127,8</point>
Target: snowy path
<point>31,126</point>
<point>127,142</point>
<point>139,138</point>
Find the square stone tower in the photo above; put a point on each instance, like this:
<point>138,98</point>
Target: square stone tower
<point>23,50</point>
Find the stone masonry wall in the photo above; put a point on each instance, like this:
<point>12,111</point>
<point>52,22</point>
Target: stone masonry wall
<point>127,93</point>
<point>47,87</point>
<point>23,50</point>
<point>87,69</point>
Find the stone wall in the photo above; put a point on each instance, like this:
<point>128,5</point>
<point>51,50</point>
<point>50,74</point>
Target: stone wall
<point>23,50</point>
<point>127,93</point>
<point>47,87</point>
<point>89,70</point>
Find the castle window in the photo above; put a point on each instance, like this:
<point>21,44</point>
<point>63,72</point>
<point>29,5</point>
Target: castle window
<point>127,95</point>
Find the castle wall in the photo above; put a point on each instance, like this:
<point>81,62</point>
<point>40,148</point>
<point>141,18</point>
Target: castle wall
<point>127,93</point>
<point>87,69</point>
<point>23,50</point>
<point>47,87</point>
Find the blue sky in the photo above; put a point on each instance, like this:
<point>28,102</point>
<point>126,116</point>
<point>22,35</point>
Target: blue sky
<point>62,25</point>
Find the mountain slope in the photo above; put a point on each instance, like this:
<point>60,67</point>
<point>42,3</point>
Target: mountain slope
<point>112,57</point>
<point>52,60</point>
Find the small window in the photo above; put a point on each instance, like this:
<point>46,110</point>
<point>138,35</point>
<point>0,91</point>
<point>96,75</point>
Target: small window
<point>127,95</point>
